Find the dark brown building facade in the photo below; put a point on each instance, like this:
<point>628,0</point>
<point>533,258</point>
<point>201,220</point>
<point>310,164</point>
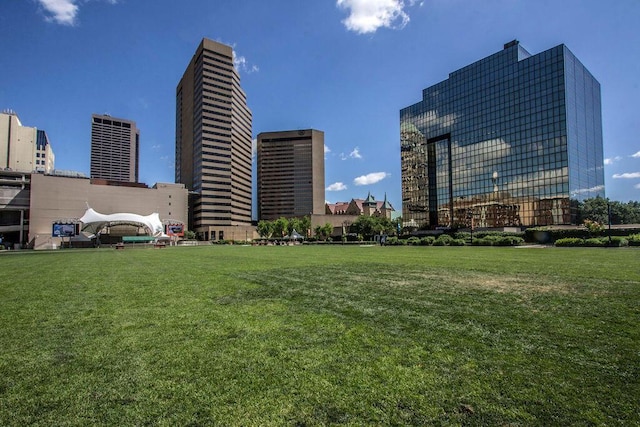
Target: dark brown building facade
<point>213,142</point>
<point>290,174</point>
<point>115,149</point>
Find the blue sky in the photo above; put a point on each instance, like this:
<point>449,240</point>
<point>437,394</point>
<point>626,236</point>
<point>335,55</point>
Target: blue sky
<point>345,67</point>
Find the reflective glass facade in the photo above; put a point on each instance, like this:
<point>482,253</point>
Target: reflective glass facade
<point>510,140</point>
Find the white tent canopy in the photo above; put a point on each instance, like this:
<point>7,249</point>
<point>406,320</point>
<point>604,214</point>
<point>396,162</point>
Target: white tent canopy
<point>92,221</point>
<point>294,236</point>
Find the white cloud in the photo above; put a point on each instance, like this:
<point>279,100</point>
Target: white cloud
<point>254,148</point>
<point>611,160</point>
<point>366,16</point>
<point>336,186</point>
<point>326,149</point>
<point>627,175</point>
<point>60,11</point>
<point>596,189</point>
<point>371,178</point>
<point>636,155</point>
<point>355,154</point>
<point>156,146</point>
<point>637,186</point>
<point>63,12</point>
<point>241,64</point>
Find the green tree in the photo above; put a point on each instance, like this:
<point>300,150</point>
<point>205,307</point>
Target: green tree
<point>594,209</point>
<point>597,209</point>
<point>280,227</point>
<point>265,228</point>
<point>323,232</point>
<point>364,226</point>
<point>305,226</point>
<point>327,230</point>
<point>369,226</point>
<point>294,224</point>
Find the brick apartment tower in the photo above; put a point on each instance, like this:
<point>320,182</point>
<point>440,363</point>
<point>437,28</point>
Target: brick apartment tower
<point>115,148</point>
<point>213,143</point>
<point>290,174</point>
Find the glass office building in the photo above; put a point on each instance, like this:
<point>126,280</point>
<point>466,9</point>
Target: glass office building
<point>512,140</point>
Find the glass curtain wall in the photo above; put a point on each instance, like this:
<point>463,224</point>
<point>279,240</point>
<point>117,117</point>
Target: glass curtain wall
<point>507,141</point>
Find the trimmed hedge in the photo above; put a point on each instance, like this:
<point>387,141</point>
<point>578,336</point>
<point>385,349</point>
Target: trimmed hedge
<point>616,241</point>
<point>570,241</point>
<point>634,240</point>
<point>413,240</point>
<point>547,235</point>
<point>464,235</point>
<point>594,242</point>
<point>427,241</point>
<point>496,240</point>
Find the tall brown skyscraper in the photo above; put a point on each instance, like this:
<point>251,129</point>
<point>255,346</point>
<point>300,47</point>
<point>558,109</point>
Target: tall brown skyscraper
<point>115,148</point>
<point>290,174</point>
<point>213,144</point>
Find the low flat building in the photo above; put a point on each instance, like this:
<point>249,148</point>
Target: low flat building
<point>15,194</point>
<point>55,199</point>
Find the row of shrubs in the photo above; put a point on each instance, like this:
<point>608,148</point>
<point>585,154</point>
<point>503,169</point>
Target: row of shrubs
<point>548,236</point>
<point>616,241</point>
<point>460,239</point>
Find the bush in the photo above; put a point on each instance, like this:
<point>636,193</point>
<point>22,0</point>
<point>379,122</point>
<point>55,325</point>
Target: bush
<point>547,235</point>
<point>445,238</point>
<point>413,240</point>
<point>394,241</point>
<point>617,241</point>
<point>594,242</point>
<point>458,242</point>
<point>427,241</point>
<point>569,241</point>
<point>482,241</point>
<point>634,240</point>
<point>509,241</point>
<point>593,227</point>
<point>464,235</point>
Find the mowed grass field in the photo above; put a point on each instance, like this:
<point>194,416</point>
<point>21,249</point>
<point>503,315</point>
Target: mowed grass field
<point>319,335</point>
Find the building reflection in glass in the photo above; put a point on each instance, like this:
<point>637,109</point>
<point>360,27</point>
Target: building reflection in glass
<point>511,140</point>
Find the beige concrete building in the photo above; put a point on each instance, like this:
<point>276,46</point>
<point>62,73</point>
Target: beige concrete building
<point>15,194</point>
<point>23,148</point>
<point>290,174</point>
<point>213,144</point>
<point>115,148</point>
<point>62,199</point>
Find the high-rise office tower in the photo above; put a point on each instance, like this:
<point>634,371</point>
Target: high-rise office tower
<point>115,148</point>
<point>213,143</point>
<point>23,148</point>
<point>511,140</point>
<point>290,174</point>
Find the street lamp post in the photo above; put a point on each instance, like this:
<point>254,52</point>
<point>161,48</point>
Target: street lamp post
<point>609,219</point>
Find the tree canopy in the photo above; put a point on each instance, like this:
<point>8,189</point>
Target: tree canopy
<point>282,227</point>
<point>596,209</point>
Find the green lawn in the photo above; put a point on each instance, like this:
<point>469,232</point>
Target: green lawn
<point>316,335</point>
